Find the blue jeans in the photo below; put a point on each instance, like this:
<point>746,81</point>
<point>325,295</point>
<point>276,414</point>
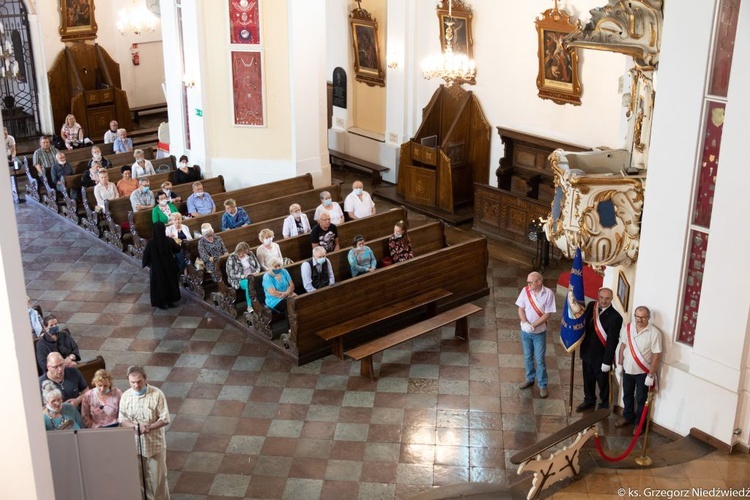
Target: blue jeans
<point>535,346</point>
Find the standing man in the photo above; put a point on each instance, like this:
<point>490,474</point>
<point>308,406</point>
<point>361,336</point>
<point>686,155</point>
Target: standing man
<point>598,347</point>
<point>68,379</point>
<point>535,305</point>
<point>143,407</point>
<point>359,203</point>
<point>45,157</point>
<point>640,359</point>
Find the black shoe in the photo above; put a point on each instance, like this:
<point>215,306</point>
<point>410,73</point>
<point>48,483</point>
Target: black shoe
<point>585,406</point>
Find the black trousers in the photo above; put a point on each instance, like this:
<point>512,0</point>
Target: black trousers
<point>593,376</point>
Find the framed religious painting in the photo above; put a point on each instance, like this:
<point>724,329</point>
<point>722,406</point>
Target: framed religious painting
<point>368,67</point>
<point>558,78</point>
<point>244,22</point>
<point>623,291</point>
<point>247,88</point>
<point>456,24</point>
<point>77,20</point>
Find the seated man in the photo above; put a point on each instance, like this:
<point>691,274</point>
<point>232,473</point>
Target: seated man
<point>45,157</point>
<point>68,379</point>
<point>123,144</point>
<point>200,203</point>
<point>142,167</point>
<point>60,170</point>
<point>318,271</point>
<point>53,339</point>
<point>96,155</point>
<point>90,177</point>
<point>233,217</point>
<point>142,198</point>
<point>111,135</point>
<point>325,234</point>
<point>359,203</point>
<point>127,184</point>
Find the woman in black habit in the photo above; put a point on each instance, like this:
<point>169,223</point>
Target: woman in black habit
<point>159,255</point>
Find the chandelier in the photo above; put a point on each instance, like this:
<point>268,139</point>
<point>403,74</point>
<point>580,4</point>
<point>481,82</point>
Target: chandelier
<point>136,20</point>
<point>447,65</point>
<point>8,63</point>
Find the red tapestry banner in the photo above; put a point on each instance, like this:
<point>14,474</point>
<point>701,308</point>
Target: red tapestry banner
<point>247,85</point>
<point>244,22</point>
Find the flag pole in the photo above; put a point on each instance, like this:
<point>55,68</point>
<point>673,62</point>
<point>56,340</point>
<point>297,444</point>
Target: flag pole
<point>572,379</point>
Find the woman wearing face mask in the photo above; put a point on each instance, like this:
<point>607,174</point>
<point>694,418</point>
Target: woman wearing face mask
<point>399,244</point>
<point>277,285</point>
<point>166,186</point>
<point>101,406</point>
<point>179,232</point>
<point>240,266</point>
<point>163,209</point>
<point>210,248</point>
<point>58,415</point>
<point>186,173</point>
<point>268,249</point>
<point>96,155</point>
<point>361,259</point>
<point>297,222</point>
<point>330,207</point>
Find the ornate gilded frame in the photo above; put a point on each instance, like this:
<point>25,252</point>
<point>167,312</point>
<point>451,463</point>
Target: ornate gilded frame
<point>623,291</point>
<point>368,66</point>
<point>463,42</point>
<point>77,21</point>
<point>558,78</point>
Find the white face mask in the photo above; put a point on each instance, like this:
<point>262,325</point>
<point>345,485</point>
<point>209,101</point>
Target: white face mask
<point>163,202</point>
<point>97,156</point>
<point>183,164</point>
<point>267,241</point>
<point>167,192</point>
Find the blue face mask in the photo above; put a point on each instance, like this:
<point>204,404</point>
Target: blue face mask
<point>276,271</point>
<point>327,202</point>
<point>142,391</point>
<point>321,260</point>
<point>54,330</point>
<point>358,191</point>
<point>146,189</point>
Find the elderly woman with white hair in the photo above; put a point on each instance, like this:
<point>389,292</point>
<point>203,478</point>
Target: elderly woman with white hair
<point>210,247</point>
<point>297,222</point>
<point>58,415</point>
<point>330,207</point>
<point>268,249</point>
<point>277,285</point>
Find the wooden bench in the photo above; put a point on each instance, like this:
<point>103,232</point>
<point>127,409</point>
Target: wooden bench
<point>116,159</point>
<point>335,334</point>
<point>136,111</point>
<point>89,368</point>
<point>73,156</point>
<point>365,352</point>
<point>338,158</point>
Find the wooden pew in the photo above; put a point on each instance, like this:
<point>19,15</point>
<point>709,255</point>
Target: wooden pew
<point>461,269</point>
<point>117,159</point>
<point>89,368</point>
<point>80,154</point>
<point>426,238</point>
<point>249,198</point>
<point>116,211</point>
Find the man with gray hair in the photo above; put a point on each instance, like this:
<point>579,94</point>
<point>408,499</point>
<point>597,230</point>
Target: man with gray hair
<point>143,407</point>
<point>535,305</point>
<point>318,271</point>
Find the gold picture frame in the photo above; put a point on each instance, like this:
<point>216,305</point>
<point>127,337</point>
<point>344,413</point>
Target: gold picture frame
<point>558,79</point>
<point>462,41</point>
<point>623,291</point>
<point>77,21</point>
<point>368,67</point>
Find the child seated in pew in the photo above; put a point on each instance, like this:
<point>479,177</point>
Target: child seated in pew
<point>240,266</point>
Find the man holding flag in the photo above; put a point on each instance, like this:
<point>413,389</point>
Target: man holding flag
<point>535,305</point>
<point>602,333</point>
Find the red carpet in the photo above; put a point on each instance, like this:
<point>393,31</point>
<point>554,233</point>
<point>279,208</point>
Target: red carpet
<point>592,282</point>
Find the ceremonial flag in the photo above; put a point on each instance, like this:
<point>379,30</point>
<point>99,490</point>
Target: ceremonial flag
<point>572,327</point>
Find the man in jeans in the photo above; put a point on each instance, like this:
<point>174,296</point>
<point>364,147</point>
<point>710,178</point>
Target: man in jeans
<point>535,305</point>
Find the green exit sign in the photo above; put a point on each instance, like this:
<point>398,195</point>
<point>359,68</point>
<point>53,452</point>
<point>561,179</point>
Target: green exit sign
<point>198,112</point>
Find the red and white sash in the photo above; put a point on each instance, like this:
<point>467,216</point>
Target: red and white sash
<point>598,328</point>
<point>532,301</point>
<point>637,356</point>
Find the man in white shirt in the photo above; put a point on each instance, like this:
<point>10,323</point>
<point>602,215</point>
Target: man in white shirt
<point>111,135</point>
<point>318,271</point>
<point>359,203</point>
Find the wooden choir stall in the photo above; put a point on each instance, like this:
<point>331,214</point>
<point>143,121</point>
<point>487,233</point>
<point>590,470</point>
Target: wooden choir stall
<point>448,154</point>
<point>85,81</point>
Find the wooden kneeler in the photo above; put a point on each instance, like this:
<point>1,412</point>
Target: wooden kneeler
<point>365,352</point>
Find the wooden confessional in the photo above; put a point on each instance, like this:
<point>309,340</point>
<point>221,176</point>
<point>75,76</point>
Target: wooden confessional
<point>85,81</point>
<point>448,154</point>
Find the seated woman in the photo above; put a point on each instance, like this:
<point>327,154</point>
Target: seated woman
<point>96,155</point>
<point>328,206</point>
<point>185,173</point>
<point>166,186</point>
<point>163,209</point>
<point>179,233</point>
<point>234,216</point>
<point>105,190</point>
<point>277,285</point>
<point>240,265</point>
<point>90,177</point>
<point>127,184</point>
<point>142,167</point>
<point>210,248</point>
<point>101,406</point>
<point>361,259</point>
<point>399,244</point>
<point>296,223</point>
<point>58,415</point>
<point>268,249</point>
<point>72,133</point>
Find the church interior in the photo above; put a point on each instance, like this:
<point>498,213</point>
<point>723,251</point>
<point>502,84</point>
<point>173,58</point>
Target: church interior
<point>508,135</point>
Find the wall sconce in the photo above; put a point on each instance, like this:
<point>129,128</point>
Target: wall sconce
<point>188,81</point>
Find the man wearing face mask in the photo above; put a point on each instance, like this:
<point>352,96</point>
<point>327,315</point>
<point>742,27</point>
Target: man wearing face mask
<point>200,202</point>
<point>53,339</point>
<point>359,203</point>
<point>185,173</point>
<point>60,170</point>
<point>142,198</point>
<point>96,155</point>
<point>318,271</point>
<point>143,407</point>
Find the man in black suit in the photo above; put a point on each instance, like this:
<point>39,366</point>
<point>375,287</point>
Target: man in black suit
<point>598,349</point>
